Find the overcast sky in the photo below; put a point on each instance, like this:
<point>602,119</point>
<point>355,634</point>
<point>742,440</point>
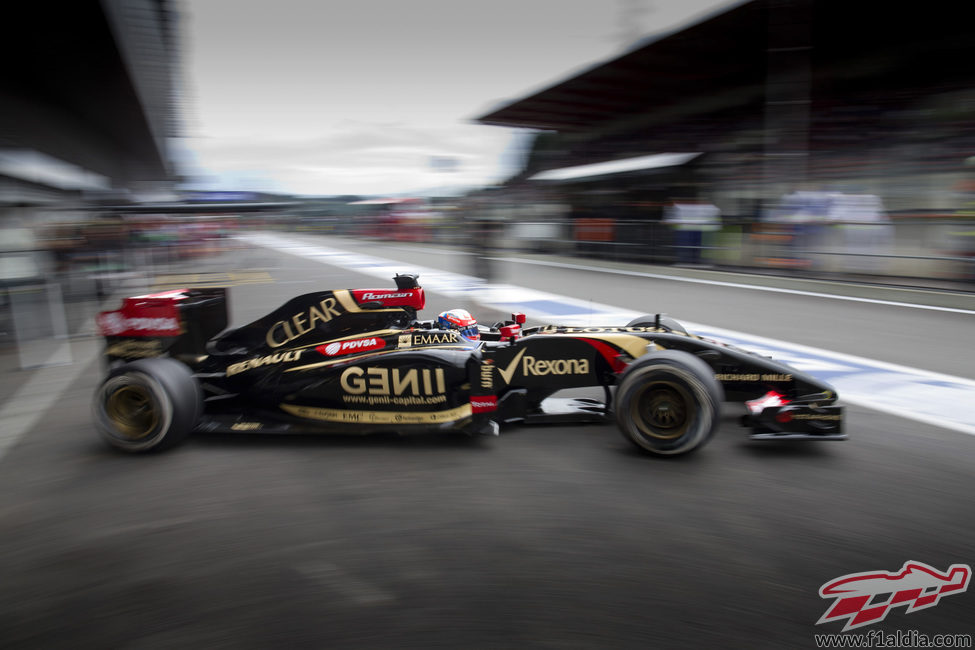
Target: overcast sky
<point>327,97</point>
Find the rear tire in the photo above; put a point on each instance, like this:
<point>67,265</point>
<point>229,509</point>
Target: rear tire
<point>666,322</point>
<point>147,405</point>
<point>668,403</point>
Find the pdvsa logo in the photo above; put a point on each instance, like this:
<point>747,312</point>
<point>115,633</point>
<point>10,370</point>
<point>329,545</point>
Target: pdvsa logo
<point>866,598</point>
<point>348,347</point>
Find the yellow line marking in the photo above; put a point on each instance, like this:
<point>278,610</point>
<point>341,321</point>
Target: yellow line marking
<point>208,280</point>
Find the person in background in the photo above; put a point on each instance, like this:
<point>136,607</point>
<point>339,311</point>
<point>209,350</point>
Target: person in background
<point>689,219</point>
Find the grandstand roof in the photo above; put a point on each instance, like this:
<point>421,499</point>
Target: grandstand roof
<point>90,83</point>
<point>856,50</point>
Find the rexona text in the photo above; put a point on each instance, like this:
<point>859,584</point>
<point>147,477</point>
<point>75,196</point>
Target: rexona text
<point>386,381</point>
<point>301,323</point>
<point>539,367</point>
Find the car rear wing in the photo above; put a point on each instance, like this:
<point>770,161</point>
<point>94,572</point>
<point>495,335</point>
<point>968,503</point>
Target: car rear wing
<point>177,322</point>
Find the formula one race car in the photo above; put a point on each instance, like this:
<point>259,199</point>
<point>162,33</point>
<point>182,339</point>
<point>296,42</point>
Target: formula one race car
<point>359,361</point>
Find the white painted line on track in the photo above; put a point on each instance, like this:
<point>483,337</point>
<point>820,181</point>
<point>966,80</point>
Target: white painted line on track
<point>933,398</point>
<point>733,285</point>
<point>330,576</point>
<point>42,391</point>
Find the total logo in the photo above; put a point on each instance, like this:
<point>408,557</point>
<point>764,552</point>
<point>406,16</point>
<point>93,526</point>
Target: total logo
<point>484,403</point>
<point>347,347</point>
<point>114,323</point>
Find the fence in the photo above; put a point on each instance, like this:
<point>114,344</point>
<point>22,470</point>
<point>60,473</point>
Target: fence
<point>922,249</point>
<point>931,250</point>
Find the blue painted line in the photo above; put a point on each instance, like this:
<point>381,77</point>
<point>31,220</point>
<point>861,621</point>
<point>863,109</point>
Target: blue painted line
<point>912,393</point>
<point>551,307</point>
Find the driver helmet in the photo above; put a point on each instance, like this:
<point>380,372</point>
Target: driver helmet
<point>461,320</point>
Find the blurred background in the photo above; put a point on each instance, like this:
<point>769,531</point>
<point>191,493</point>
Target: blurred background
<point>812,138</point>
<point>807,166</point>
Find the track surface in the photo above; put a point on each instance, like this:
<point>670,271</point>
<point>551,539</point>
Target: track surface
<point>545,537</point>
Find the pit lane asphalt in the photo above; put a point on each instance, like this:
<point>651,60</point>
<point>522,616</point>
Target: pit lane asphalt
<point>544,537</point>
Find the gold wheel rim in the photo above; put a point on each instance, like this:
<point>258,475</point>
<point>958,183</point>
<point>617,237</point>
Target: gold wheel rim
<point>663,410</point>
<point>132,411</point>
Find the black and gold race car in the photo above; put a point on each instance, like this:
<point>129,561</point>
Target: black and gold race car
<point>359,361</point>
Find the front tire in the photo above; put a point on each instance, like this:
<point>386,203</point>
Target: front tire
<point>668,403</point>
<point>147,405</point>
